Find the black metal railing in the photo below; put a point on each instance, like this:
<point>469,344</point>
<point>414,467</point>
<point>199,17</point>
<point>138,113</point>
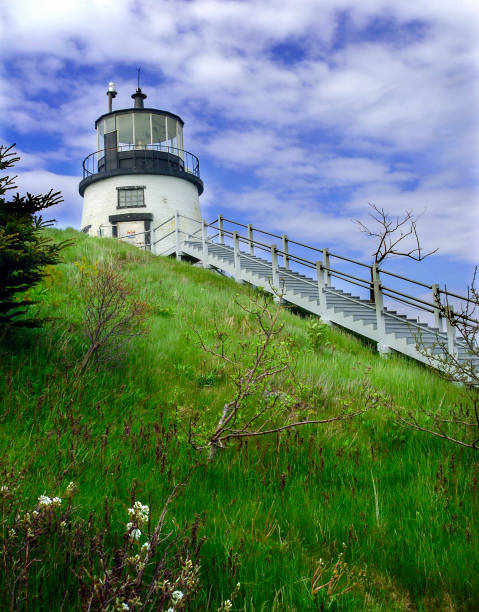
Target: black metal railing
<point>147,157</point>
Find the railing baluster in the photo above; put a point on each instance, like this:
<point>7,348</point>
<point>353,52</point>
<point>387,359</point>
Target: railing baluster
<point>237,258</point>
<point>275,267</point>
<point>152,240</point>
<point>327,266</point>
<point>383,348</point>
<point>177,236</point>
<point>250,239</point>
<point>285,251</point>
<point>220,226</point>
<point>204,239</point>
<point>323,307</point>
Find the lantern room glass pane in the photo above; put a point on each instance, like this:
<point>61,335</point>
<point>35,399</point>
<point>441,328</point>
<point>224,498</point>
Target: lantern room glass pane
<point>180,135</point>
<point>109,124</point>
<point>159,129</point>
<point>125,129</point>
<point>101,133</point>
<point>142,129</point>
<point>172,139</point>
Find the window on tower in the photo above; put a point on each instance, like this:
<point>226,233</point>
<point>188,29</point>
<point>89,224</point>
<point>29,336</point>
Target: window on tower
<point>131,197</point>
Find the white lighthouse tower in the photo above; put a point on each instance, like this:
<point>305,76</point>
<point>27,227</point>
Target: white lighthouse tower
<point>139,177</point>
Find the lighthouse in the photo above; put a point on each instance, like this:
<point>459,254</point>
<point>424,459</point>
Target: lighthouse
<point>140,177</point>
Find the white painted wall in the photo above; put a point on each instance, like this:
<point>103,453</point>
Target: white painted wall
<point>164,195</point>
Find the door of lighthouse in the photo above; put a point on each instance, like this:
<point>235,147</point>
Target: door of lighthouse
<point>132,232</point>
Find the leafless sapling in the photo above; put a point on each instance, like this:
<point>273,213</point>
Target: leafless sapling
<point>390,234</point>
<point>257,369</point>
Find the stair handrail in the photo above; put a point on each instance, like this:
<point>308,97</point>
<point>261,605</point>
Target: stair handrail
<point>416,303</point>
<point>307,262</point>
<point>257,229</point>
<point>164,237</point>
<point>440,291</point>
<point>164,223</point>
<point>404,278</point>
<point>394,294</point>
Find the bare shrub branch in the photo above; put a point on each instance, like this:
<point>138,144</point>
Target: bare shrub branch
<point>458,424</point>
<point>257,369</point>
<point>388,233</point>
<point>391,232</point>
<point>113,313</point>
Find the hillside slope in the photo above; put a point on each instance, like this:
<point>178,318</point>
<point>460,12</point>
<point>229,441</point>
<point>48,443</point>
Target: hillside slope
<point>401,506</point>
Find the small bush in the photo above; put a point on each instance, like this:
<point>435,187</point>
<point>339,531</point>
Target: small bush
<point>114,313</point>
<point>317,334</point>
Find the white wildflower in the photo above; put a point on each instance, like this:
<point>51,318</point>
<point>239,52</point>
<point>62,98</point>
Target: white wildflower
<point>12,533</point>
<point>35,513</point>
<point>135,534</point>
<point>125,606</point>
<point>177,596</point>
<point>63,524</point>
<point>44,500</point>
<point>227,605</point>
<point>146,547</point>
<point>132,532</point>
<point>3,489</point>
<point>71,488</point>
<point>170,610</point>
<point>139,513</point>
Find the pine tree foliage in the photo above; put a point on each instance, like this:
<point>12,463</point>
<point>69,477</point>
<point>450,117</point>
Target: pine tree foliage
<point>24,249</point>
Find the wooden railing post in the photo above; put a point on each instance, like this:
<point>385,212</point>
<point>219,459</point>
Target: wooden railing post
<point>177,236</point>
<point>285,251</point>
<point>436,299</point>
<point>220,228</point>
<point>323,307</point>
<point>383,348</point>
<point>451,331</point>
<point>326,268</point>
<point>275,267</point>
<point>237,258</point>
<point>204,240</point>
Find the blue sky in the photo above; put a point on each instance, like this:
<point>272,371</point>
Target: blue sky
<point>300,112</point>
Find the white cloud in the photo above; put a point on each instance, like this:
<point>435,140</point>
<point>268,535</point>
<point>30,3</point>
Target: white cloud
<point>390,119</point>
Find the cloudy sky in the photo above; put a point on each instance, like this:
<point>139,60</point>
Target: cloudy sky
<point>301,112</point>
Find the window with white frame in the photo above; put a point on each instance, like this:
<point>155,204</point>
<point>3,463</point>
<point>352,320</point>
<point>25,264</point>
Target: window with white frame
<point>131,197</point>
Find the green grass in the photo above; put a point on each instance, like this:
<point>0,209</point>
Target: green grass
<point>271,508</point>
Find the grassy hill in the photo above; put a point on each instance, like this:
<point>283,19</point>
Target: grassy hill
<point>397,504</point>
